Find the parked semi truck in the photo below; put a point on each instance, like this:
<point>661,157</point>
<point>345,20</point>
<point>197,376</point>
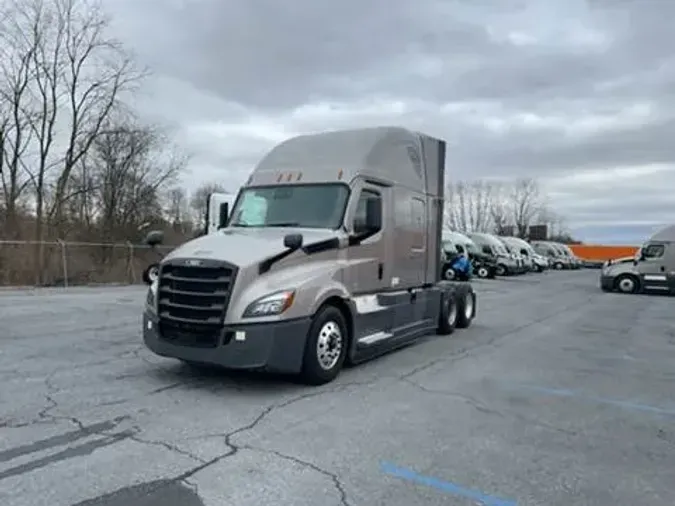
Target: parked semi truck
<point>535,261</point>
<point>454,242</point>
<point>556,258</point>
<point>490,245</point>
<point>331,255</point>
<point>651,270</point>
<point>215,218</point>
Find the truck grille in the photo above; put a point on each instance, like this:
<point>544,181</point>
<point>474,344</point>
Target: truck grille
<point>192,301</point>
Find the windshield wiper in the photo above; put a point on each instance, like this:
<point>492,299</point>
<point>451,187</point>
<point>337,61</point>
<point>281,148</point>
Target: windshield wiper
<point>283,224</point>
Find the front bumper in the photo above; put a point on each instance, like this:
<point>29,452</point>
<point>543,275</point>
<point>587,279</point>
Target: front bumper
<point>606,282</point>
<point>275,347</point>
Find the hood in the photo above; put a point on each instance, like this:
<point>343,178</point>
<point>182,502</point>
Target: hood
<point>245,246</point>
<point>622,260</point>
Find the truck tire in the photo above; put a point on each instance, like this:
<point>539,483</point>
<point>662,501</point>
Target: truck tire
<point>466,310</point>
<point>558,266</point>
<point>448,314</point>
<point>627,283</point>
<point>501,270</point>
<point>326,347</point>
<point>449,273</point>
<point>150,274</point>
<point>483,272</point>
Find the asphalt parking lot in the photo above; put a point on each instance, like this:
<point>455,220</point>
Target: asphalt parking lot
<point>557,395</point>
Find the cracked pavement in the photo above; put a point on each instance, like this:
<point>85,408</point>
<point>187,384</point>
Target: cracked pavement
<point>558,394</point>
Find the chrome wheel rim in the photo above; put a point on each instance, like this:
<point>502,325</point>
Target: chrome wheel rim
<point>626,285</point>
<point>452,314</point>
<point>468,307</point>
<point>329,345</point>
<point>449,274</point>
<point>482,272</point>
<point>153,274</point>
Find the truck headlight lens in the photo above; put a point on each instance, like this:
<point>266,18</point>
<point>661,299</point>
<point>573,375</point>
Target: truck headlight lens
<point>270,305</point>
<point>151,297</point>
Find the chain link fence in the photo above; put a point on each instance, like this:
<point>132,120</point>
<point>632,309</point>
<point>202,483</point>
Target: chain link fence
<point>61,263</point>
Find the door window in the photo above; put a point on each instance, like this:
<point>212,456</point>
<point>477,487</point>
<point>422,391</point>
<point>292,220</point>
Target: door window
<point>653,251</point>
<point>360,216</point>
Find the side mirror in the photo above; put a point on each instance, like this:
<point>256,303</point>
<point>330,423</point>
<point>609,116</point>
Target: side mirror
<point>154,238</point>
<point>373,215</point>
<point>293,241</point>
<point>224,213</point>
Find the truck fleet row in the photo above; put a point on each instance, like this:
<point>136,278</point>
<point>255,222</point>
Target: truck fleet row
<point>502,256</point>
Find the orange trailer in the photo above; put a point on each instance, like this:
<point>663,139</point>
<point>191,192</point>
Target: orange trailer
<point>600,253</point>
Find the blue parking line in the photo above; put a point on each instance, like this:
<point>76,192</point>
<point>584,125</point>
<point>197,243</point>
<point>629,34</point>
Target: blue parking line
<point>444,486</point>
<point>601,400</point>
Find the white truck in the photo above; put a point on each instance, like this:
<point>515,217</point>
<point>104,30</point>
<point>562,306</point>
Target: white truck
<point>215,218</point>
<point>330,255</point>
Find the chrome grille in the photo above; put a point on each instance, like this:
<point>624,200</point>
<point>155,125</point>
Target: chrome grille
<point>192,300</point>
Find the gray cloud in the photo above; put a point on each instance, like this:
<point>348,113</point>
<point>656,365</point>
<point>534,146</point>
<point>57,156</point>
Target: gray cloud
<point>540,88</point>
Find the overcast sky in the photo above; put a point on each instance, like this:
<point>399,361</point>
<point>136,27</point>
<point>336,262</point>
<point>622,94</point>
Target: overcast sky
<point>579,94</point>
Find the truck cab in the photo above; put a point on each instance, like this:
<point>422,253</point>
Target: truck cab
<point>555,257</point>
<point>651,270</point>
<point>483,266</point>
<point>331,255</point>
<point>534,261</point>
<point>491,246</point>
<point>571,261</point>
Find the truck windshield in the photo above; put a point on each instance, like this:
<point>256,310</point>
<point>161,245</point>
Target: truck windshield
<point>303,206</point>
<point>472,248</point>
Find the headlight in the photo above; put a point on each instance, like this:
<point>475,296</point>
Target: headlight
<point>270,305</point>
<point>151,297</point>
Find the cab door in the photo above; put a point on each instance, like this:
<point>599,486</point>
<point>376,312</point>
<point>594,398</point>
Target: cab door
<point>653,269</point>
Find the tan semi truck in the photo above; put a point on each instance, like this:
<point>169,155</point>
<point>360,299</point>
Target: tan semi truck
<point>331,255</point>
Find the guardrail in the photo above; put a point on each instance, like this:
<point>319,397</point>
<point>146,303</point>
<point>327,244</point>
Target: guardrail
<point>63,263</point>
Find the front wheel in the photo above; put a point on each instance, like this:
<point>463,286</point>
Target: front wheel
<point>558,266</point>
<point>501,270</point>
<point>449,273</point>
<point>627,283</point>
<point>482,272</point>
<point>326,347</point>
<point>150,274</point>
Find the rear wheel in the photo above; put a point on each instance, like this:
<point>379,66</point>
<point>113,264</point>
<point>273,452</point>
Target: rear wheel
<point>326,347</point>
<point>558,266</point>
<point>501,270</point>
<point>627,283</point>
<point>466,310</point>
<point>448,314</point>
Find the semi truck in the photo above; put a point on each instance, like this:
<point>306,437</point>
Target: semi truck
<point>215,218</point>
<point>454,242</point>
<point>535,261</point>
<point>651,270</point>
<point>490,245</point>
<point>330,256</point>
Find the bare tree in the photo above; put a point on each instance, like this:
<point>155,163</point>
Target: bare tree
<point>94,73</point>
<point>17,51</point>
<point>199,201</point>
<point>128,167</point>
<point>468,205</point>
<point>177,209</point>
<point>526,202</point>
<point>500,209</point>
